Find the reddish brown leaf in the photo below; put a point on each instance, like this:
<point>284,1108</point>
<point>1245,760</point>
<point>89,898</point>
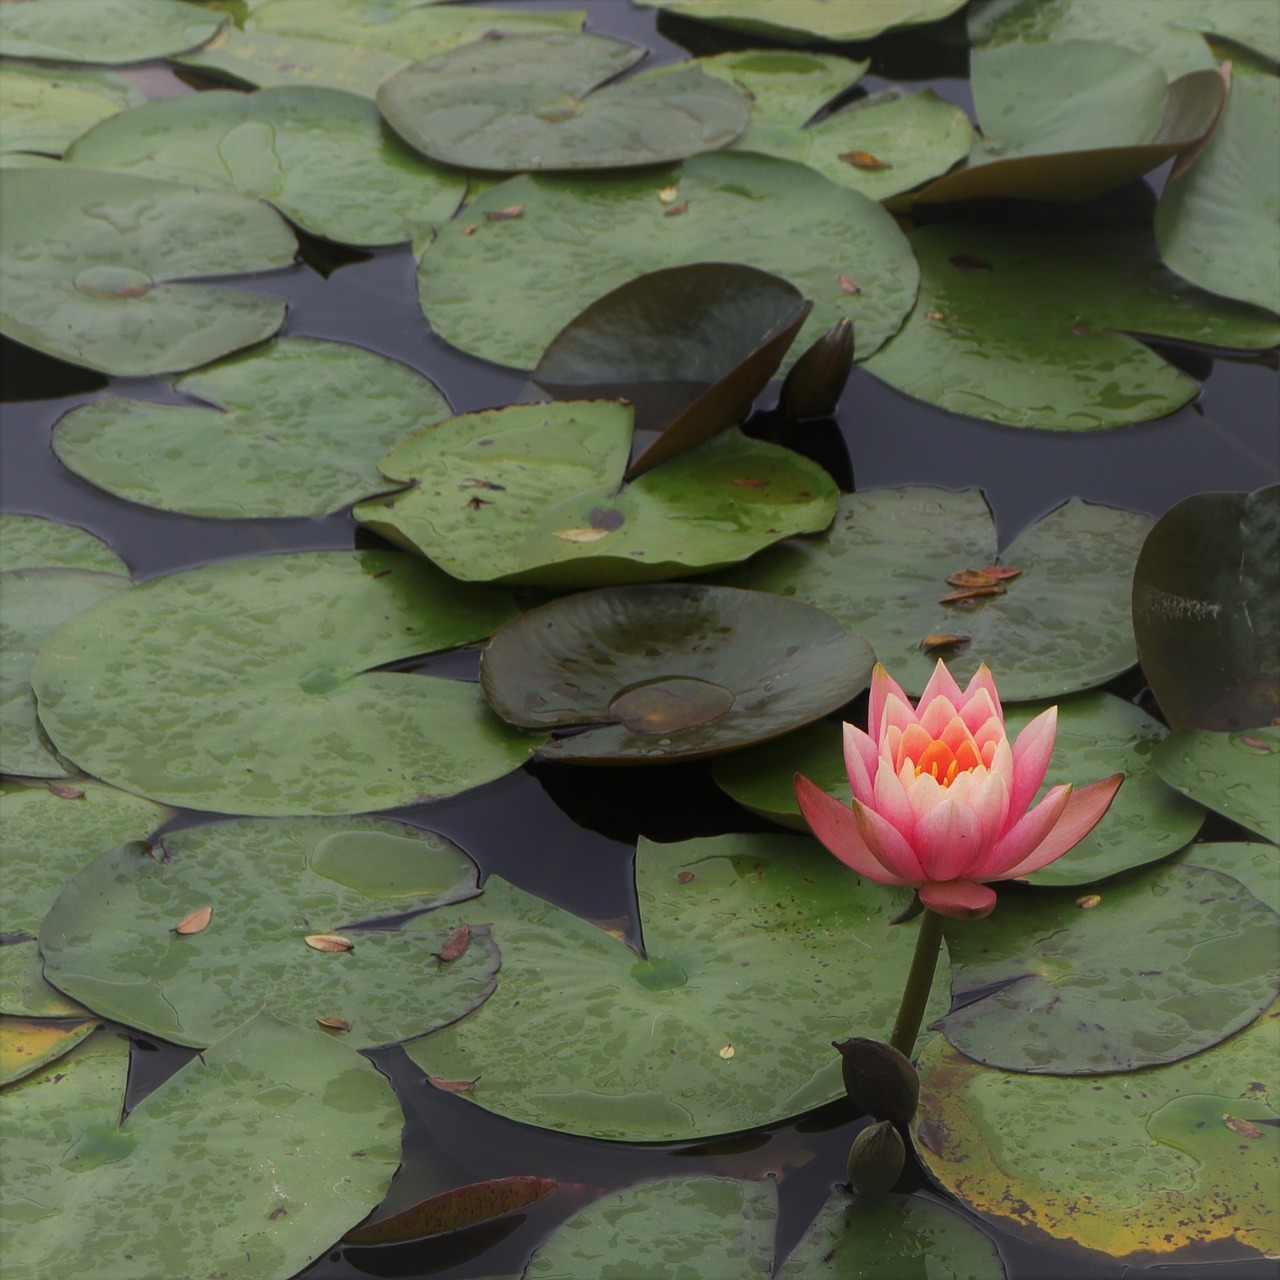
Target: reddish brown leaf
<point>970,578</point>
<point>456,945</point>
<point>1241,1127</point>
<point>684,877</point>
<point>452,1086</point>
<point>196,922</point>
<point>676,209</point>
<point>334,1023</point>
<point>1000,572</point>
<point>469,229</point>
<point>967,595</point>
<point>329,942</point>
<point>65,791</point>
<point>864,160</point>
<point>453,1210</point>
<point>849,284</point>
<point>939,641</point>
<point>505,215</point>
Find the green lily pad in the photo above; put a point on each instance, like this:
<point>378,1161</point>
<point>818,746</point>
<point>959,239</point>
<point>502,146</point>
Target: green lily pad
<point>1167,963</point>
<point>1032,329</point>
<point>36,603</point>
<point>270,433</point>
<point>109,940</point>
<point>321,156</point>
<point>804,20</point>
<point>547,102</point>
<point>666,672</point>
<point>45,109</point>
<point>1255,865</point>
<point>501,288</point>
<point>90,260</point>
<point>1062,626</point>
<point>27,1044</point>
<point>31,542</point>
<point>718,1028</point>
<point>1229,184</point>
<point>531,494</point>
<point>1170,1157</point>
<point>1236,774</point>
<point>24,993</point>
<point>219,1169</point>
<point>762,778</point>
<point>1206,610</point>
<point>104,30</point>
<point>251,686</point>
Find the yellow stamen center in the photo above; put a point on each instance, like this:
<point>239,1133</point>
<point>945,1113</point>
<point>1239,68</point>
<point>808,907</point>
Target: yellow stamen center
<point>943,764</point>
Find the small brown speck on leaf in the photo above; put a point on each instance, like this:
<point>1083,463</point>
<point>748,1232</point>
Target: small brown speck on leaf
<point>939,641</point>
<point>66,792</point>
<point>935,315</point>
<point>456,945</point>
<point>474,503</point>
<point>469,229</point>
<point>676,209</point>
<point>505,215</point>
<point>684,877</point>
<point>864,160</point>
<point>329,942</point>
<point>849,284</point>
<point>452,1086</point>
<point>196,922</point>
<point>1088,901</point>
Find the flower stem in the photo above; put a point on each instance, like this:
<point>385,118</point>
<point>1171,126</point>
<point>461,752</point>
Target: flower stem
<point>915,994</point>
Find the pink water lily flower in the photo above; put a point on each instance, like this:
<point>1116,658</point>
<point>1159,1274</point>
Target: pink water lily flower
<point>942,799</point>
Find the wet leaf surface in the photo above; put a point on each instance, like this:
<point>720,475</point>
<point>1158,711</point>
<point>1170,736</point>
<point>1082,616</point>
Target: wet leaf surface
<point>44,109</point>
<point>27,1044</point>
<point>1236,774</point>
<point>104,30</point>
<point>30,542</point>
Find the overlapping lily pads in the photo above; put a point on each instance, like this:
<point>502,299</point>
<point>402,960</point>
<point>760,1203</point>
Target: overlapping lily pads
<point>321,156</point>
<point>1236,774</point>
<point>217,1169</point>
<point>761,950</point>
<point>670,672</point>
<point>44,109</point>
<point>271,433</point>
<point>1063,625</point>
<point>252,686</point>
<point>531,494</point>
<point>32,542</point>
<point>524,258</point>
<point>1032,329</point>
<point>91,267</point>
<point>804,20</point>
<point>104,30</point>
<point>27,1044</point>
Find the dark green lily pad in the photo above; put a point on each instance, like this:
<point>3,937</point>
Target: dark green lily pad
<point>219,1169</point>
<point>1236,774</point>
<point>270,433</point>
<point>761,950</point>
<point>104,30</point>
<point>1062,626</point>
<point>718,331</point>
<point>1256,866</point>
<point>1206,610</point>
<point>804,20</point>
<point>45,109</point>
<point>533,102</point>
<point>1167,963</point>
<point>31,542</point>
<point>502,287</point>
<point>321,156</point>
<point>668,672</point>
<point>1032,329</point>
<point>27,1044</point>
<point>90,260</point>
<point>533,494</point>
<point>109,941</point>
<point>251,686</point>
<point>762,778</point>
<point>1185,1153</point>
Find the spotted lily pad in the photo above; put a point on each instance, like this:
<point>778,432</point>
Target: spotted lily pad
<point>1184,1153</point>
<point>321,156</point>
<point>532,494</point>
<point>505,276</point>
<point>104,30</point>
<point>31,542</point>
<point>27,1044</point>
<point>718,1028</point>
<point>1236,774</point>
<point>252,686</point>
<point>44,109</point>
<point>1167,963</point>
<point>1062,625</point>
<point>804,20</point>
<point>1255,865</point>
<point>264,433</point>
<point>92,264</point>
<point>670,671</point>
<point>219,1169</point>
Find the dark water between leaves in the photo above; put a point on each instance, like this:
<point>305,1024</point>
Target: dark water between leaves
<point>569,835</point>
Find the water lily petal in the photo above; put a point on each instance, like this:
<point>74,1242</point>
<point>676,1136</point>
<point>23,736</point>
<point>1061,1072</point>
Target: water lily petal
<point>1032,749</point>
<point>882,685</point>
<point>982,681</point>
<point>948,839</point>
<point>834,824</point>
<point>987,795</point>
<point>959,899</point>
<point>861,761</point>
<point>924,792</point>
<point>942,684</point>
<point>889,799</point>
<point>1082,813</point>
<point>888,845</point>
<point>935,715</point>
<point>1024,836</point>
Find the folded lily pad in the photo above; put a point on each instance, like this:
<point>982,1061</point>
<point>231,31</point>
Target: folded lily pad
<point>45,109</point>
<point>716,1029</point>
<point>1032,329</point>
<point>804,20</point>
<point>1165,964</point>
<point>251,686</point>
<point>531,494</point>
<point>32,542</point>
<point>1185,1153</point>
<point>218,1169</point>
<point>27,1044</point>
<point>90,260</point>
<point>270,433</point>
<point>104,30</point>
<point>321,156</point>
<point>269,889</point>
<point>1063,625</point>
<point>524,258</point>
<point>670,672</point>
<point>1236,774</point>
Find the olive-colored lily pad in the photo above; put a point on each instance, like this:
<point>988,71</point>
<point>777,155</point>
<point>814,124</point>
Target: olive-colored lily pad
<point>1170,1157</point>
<point>1163,965</point>
<point>533,494</point>
<point>804,20</point>
<point>1206,610</point>
<point>1236,774</point>
<point>110,939</point>
<point>674,671</point>
<point>32,542</point>
<point>45,109</point>
<point>533,102</point>
<point>761,950</point>
<point>111,31</point>
<point>321,156</point>
<point>92,264</point>
<point>218,1170</point>
<point>27,1044</point>
<point>270,433</point>
<point>1032,329</point>
<point>518,263</point>
<point>251,686</point>
<point>1063,625</point>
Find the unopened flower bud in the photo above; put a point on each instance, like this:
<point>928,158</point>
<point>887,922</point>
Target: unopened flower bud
<point>880,1080</point>
<point>812,388</point>
<point>876,1160</point>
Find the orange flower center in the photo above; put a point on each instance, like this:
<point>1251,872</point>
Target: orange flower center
<point>943,764</point>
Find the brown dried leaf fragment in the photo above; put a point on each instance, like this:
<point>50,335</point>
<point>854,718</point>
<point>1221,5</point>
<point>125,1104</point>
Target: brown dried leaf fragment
<point>967,595</point>
<point>456,945</point>
<point>676,209</point>
<point>328,942</point>
<point>504,215</point>
<point>1088,901</point>
<point>196,922</point>
<point>970,578</point>
<point>333,1023</point>
<point>941,642</point>
<point>452,1086</point>
<point>864,160</point>
<point>64,791</point>
<point>1000,572</point>
<point>849,284</point>
<point>1241,1127</point>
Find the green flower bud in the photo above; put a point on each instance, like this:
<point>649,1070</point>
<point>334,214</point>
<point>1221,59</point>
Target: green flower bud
<point>812,388</point>
<point>880,1080</point>
<point>876,1160</point>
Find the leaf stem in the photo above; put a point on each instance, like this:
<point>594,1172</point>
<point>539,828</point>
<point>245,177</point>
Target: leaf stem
<point>915,994</point>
